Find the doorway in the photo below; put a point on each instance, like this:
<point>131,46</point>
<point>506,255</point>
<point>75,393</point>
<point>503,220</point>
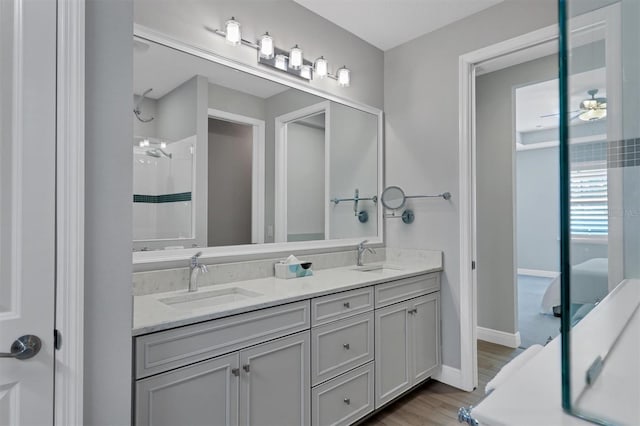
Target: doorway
<point>597,25</point>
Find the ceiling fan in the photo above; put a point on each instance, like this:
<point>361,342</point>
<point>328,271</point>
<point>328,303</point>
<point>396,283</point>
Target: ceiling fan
<point>591,109</point>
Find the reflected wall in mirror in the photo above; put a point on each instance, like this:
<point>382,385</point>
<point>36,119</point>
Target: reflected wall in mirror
<point>223,157</point>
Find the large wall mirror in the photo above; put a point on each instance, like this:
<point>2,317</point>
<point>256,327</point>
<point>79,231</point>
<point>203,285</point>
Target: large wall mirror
<point>223,157</point>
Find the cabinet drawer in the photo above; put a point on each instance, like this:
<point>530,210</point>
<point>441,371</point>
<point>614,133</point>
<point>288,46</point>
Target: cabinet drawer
<point>170,349</point>
<point>345,399</point>
<point>340,346</point>
<point>397,291</point>
<point>341,305</point>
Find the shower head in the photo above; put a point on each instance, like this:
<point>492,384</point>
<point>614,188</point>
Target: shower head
<point>158,153</point>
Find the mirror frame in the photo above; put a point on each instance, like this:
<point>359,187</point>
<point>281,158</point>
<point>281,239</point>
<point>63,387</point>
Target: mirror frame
<point>165,259</point>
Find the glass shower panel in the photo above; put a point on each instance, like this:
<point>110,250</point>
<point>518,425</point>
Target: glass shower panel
<point>600,160</point>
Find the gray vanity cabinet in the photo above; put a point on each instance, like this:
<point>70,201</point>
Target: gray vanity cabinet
<point>274,386</point>
<point>202,393</point>
<point>267,384</point>
<point>407,344</point>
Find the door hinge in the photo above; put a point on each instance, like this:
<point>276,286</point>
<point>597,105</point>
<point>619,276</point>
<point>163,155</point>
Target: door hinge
<point>57,339</point>
<point>473,265</point>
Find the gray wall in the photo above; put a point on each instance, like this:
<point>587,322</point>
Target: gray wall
<point>538,209</point>
<point>108,213</point>
<point>229,188</point>
<point>229,100</point>
<point>495,184</point>
<point>421,110</point>
<point>288,22</point>
<point>177,112</point>
<point>305,182</point>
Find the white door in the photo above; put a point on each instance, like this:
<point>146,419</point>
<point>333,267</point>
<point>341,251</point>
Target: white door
<point>27,203</point>
<point>275,388</point>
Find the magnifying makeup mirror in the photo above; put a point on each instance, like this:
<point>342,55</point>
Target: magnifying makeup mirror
<point>393,197</point>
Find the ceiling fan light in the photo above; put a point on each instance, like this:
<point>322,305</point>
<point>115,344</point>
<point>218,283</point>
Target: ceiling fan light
<point>593,114</point>
<point>232,32</point>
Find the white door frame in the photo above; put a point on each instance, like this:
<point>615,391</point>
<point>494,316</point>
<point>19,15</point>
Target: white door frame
<point>258,169</point>
<point>467,166</point>
<point>69,320</point>
<point>281,167</point>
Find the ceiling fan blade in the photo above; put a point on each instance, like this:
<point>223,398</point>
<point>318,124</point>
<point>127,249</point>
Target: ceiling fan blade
<point>557,114</point>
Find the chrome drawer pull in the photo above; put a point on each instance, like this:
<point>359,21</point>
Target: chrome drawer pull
<point>346,346</point>
<point>347,304</point>
<point>347,401</point>
<point>235,371</point>
<point>246,367</point>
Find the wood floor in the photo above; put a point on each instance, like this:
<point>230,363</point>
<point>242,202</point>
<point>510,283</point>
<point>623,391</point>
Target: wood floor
<point>435,403</point>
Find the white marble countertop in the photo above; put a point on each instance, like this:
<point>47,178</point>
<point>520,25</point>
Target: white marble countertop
<point>532,395</point>
<point>151,315</point>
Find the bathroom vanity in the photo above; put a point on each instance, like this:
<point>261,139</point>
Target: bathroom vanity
<point>326,349</point>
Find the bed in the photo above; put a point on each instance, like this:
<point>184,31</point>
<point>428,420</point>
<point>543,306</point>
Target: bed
<point>589,285</point>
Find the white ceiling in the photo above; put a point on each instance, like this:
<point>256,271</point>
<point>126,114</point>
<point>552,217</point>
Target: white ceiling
<point>540,99</point>
<point>389,23</point>
<point>163,69</point>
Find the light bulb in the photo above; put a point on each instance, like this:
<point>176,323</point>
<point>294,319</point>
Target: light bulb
<point>141,144</point>
<point>344,77</point>
<point>322,67</point>
<point>266,46</point>
<point>163,145</point>
<point>281,62</point>
<point>232,29</point>
<point>305,72</point>
<point>295,57</point>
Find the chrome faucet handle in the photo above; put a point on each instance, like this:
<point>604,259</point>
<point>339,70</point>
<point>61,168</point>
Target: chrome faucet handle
<point>203,268</point>
<point>194,259</point>
<point>362,243</point>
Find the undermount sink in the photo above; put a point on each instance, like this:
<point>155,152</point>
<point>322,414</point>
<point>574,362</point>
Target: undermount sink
<point>203,299</point>
<point>378,268</point>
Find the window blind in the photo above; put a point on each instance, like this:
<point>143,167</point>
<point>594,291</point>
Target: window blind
<point>589,203</point>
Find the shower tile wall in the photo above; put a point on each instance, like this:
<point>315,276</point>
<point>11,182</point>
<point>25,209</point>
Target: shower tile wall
<point>163,217</point>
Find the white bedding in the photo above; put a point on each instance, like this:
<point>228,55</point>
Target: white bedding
<point>589,284</point>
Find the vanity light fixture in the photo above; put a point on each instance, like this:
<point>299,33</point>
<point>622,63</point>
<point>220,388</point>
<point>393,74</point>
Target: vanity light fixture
<point>281,62</point>
<point>306,72</point>
<point>291,61</point>
<point>295,57</point>
<point>266,46</point>
<point>344,77</point>
<point>232,32</point>
<point>321,67</point>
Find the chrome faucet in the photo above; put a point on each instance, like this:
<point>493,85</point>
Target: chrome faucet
<point>361,250</point>
<point>195,268</point>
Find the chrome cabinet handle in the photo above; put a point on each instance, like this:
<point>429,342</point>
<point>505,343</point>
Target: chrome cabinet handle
<point>346,346</point>
<point>246,367</point>
<point>347,401</point>
<point>346,304</point>
<point>24,347</point>
<point>235,371</point>
<point>412,311</point>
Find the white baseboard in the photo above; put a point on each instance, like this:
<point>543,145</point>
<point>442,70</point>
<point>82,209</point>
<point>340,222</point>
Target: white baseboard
<point>538,273</point>
<point>450,376</point>
<point>511,340</point>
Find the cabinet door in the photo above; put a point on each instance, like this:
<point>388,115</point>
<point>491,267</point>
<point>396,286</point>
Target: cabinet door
<point>200,394</point>
<point>275,387</point>
<point>392,355</point>
<point>425,336</point>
